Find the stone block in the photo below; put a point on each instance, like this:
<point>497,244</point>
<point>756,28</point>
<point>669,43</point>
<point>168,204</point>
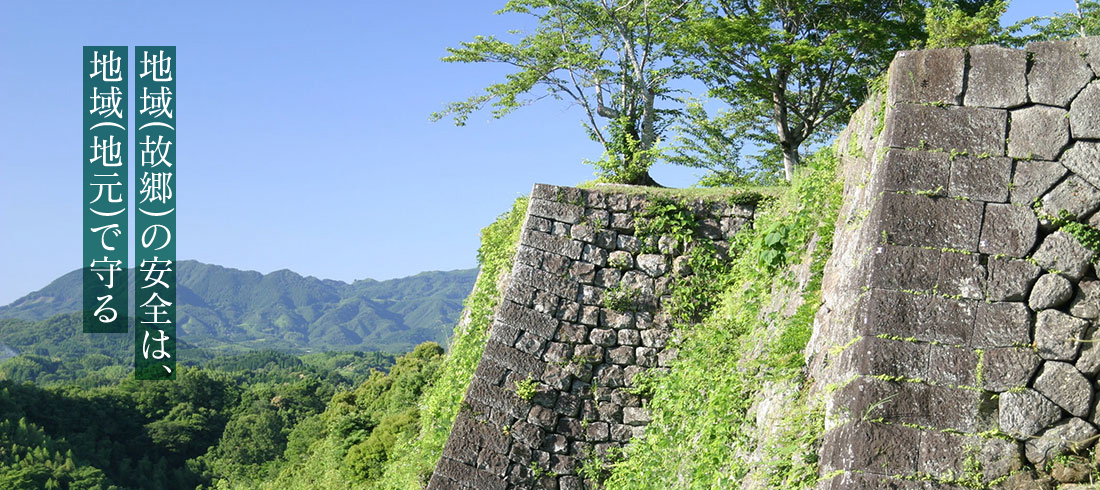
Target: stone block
<point>1068,436</point>
<point>1024,413</point>
<point>952,366</point>
<point>1064,385</point>
<point>981,178</point>
<point>1038,132</point>
<point>551,243</point>
<point>1083,159</point>
<point>1057,73</point>
<point>1057,335</point>
<point>876,356</point>
<point>1006,368</point>
<point>1086,304</point>
<point>1050,291</point>
<point>1089,47</point>
<point>1032,179</point>
<point>556,211</point>
<point>653,264</point>
<point>863,446</point>
<point>1008,229</point>
<point>1089,360</point>
<point>915,171</point>
<point>974,130</point>
<point>927,76</point>
<point>528,320</point>
<point>1062,252</point>
<point>1010,279</point>
<point>1083,122</point>
<point>923,317</point>
<point>1074,196</point>
<point>997,77</point>
<point>961,274</point>
<point>911,268</point>
<point>931,222</point>
<point>1001,325</point>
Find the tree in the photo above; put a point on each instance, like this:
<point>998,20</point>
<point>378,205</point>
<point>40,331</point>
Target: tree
<point>1085,21</point>
<point>793,69</point>
<point>610,57</point>
<point>960,24</point>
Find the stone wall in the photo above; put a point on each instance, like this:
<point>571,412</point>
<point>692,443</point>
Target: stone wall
<point>956,345</point>
<point>579,318</point>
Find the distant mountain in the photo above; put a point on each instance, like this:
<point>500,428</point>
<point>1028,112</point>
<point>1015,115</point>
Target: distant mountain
<point>284,310</point>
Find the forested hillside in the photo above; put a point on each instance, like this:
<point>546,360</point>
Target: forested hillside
<point>224,308</point>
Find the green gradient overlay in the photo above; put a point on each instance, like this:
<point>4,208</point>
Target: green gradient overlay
<point>105,234</point>
<point>155,217</point>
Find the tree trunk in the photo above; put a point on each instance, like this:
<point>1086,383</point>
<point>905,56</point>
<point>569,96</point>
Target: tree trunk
<point>790,161</point>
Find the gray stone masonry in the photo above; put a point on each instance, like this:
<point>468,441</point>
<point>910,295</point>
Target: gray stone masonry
<point>553,389</point>
<point>960,323</point>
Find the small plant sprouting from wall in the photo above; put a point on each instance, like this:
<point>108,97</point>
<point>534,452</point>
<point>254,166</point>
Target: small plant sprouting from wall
<point>527,388</point>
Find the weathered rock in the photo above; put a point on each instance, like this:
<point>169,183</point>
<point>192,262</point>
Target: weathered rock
<point>1008,229</point>
<point>997,77</point>
<point>628,243</point>
<point>1089,47</point>
<point>1000,325</point>
<point>922,221</point>
<point>1038,132</point>
<point>1070,470</point>
<point>1083,159</point>
<point>980,177</point>
<point>1074,196</point>
<point>1057,73</point>
<point>973,130</point>
<point>653,264</point>
<point>1089,360</point>
<point>1062,252</point>
<point>620,260</point>
<point>1083,122</point>
<point>927,76</point>
<point>1010,279</point>
<point>927,172</point>
<point>1033,179</point>
<point>1025,413</point>
<point>1086,304</point>
<point>1050,291</point>
<point>1057,334</point>
<point>1025,480</point>
<point>1064,385</point>
<point>1008,368</point>
<point>635,416</point>
<point>1071,435</point>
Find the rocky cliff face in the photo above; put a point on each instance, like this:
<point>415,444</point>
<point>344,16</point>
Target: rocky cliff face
<point>955,342</point>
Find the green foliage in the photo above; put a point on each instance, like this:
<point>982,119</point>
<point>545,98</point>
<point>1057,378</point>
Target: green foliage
<point>950,24</point>
<point>792,72</point>
<point>702,426</point>
<point>526,389</point>
<point>608,57</point>
<point>664,217</point>
<point>620,298</point>
<point>414,454</point>
<point>1085,21</point>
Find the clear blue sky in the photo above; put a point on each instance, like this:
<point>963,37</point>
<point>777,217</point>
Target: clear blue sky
<point>303,134</point>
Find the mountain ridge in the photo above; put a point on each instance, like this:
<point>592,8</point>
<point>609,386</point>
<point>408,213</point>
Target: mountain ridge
<point>286,310</point>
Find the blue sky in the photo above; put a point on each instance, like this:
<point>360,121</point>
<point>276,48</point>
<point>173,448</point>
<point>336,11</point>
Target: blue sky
<point>303,134</point>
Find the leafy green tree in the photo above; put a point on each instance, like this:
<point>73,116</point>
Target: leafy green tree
<point>794,70</point>
<point>959,24</point>
<point>1084,21</point>
<point>610,57</point>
